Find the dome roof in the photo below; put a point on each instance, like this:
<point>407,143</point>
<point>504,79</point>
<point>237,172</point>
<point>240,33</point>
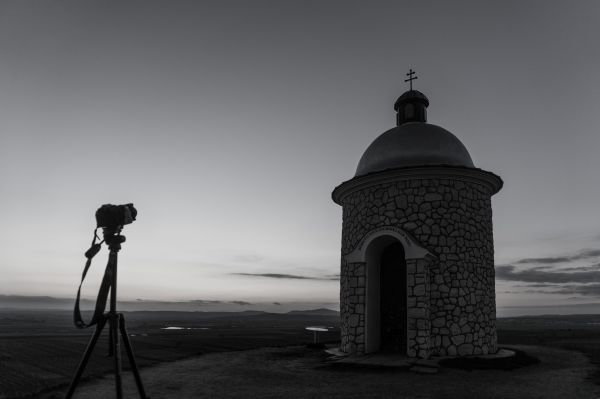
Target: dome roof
<point>413,144</point>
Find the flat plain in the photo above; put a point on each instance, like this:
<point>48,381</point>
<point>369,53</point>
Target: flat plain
<point>40,350</point>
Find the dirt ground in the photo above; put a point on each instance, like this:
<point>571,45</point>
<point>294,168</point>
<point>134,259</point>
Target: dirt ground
<point>297,372</point>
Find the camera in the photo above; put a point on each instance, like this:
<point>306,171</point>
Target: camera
<point>112,216</point>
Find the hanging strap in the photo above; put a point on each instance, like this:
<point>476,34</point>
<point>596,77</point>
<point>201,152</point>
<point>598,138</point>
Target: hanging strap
<point>102,292</point>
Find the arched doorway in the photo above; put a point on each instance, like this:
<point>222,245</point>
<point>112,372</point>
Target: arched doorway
<point>386,299</point>
<point>387,258</point>
<point>392,299</point>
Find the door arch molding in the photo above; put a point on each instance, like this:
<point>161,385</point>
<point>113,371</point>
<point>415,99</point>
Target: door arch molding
<point>412,248</point>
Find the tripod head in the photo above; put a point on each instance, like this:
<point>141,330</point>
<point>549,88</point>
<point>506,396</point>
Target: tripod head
<point>113,238</point>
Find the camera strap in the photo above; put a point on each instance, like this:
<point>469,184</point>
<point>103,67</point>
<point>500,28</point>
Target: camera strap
<point>102,292</point>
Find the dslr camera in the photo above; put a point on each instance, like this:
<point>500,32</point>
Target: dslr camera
<point>113,216</point>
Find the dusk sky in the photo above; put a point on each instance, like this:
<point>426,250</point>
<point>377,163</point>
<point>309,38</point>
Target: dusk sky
<point>229,123</point>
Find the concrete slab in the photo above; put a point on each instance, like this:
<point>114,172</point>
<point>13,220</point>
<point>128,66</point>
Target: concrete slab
<point>380,359</point>
<point>375,360</point>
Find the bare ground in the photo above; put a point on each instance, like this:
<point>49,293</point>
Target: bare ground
<point>297,372</point>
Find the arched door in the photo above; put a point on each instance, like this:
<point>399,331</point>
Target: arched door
<point>393,299</point>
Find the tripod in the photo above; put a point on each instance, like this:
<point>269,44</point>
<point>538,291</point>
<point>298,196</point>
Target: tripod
<point>116,323</point>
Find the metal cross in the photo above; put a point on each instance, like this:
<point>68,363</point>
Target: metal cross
<point>410,77</point>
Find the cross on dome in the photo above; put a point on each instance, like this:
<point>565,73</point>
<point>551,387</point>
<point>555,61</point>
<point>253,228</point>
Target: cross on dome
<point>411,77</point>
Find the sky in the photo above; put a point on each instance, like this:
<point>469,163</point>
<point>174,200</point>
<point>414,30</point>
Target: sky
<point>229,123</point>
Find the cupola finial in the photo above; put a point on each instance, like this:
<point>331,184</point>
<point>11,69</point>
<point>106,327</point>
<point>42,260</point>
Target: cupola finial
<point>412,105</point>
<point>411,77</point>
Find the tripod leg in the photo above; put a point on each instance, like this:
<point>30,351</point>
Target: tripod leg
<point>116,350</point>
<point>110,340</point>
<point>86,357</point>
<point>131,356</point>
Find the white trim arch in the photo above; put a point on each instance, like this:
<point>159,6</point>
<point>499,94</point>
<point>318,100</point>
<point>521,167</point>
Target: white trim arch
<point>412,249</point>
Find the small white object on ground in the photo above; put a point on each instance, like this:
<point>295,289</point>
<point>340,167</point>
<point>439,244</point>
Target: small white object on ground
<point>316,330</point>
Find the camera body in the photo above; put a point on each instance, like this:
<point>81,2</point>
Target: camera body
<point>112,216</point>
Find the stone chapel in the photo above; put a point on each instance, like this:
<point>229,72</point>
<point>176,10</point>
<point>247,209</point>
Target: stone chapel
<point>417,267</point>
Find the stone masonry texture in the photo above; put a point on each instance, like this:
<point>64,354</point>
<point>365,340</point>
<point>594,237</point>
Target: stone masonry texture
<point>450,295</point>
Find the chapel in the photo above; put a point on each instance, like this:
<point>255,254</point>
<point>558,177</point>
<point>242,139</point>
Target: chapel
<point>417,265</point>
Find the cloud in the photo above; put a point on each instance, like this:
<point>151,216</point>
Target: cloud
<point>289,276</point>
<point>273,275</point>
<point>581,289</point>
<point>542,268</point>
<point>277,303</point>
<point>243,303</point>
<point>586,268</point>
<point>510,273</point>
<point>535,285</point>
<point>581,282</point>
<point>584,254</point>
<point>558,259</point>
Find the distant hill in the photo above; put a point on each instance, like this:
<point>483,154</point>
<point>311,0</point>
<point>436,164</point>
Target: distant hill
<point>315,312</point>
<point>550,322</point>
<point>18,302</point>
<point>21,302</point>
<point>39,302</point>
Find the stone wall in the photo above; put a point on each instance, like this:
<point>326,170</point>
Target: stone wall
<point>453,220</point>
<point>352,302</point>
<point>418,312</point>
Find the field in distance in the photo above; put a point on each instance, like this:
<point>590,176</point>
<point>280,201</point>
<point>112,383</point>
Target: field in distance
<point>40,350</point>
